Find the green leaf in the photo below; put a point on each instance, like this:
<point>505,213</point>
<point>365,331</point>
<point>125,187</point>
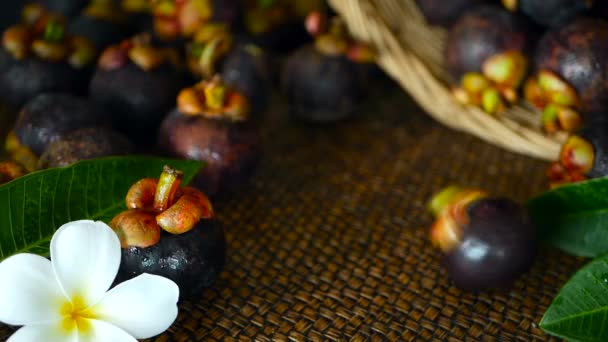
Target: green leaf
<point>574,218</point>
<point>580,310</point>
<point>34,206</point>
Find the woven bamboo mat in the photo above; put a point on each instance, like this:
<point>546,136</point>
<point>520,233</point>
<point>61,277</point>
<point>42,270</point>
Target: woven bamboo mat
<point>329,241</point>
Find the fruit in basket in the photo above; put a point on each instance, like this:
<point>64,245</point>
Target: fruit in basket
<point>102,22</point>
<point>83,144</point>
<point>38,56</point>
<point>324,82</point>
<point>572,75</point>
<point>137,82</point>
<point>487,242</point>
<point>47,118</point>
<point>583,156</point>
<point>445,13</point>
<point>550,13</point>
<point>487,55</point>
<point>171,232</point>
<point>211,124</point>
<point>174,19</point>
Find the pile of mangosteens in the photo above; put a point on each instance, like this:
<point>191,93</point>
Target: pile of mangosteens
<point>187,79</point>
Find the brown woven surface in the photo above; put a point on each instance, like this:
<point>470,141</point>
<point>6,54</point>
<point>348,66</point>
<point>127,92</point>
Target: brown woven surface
<point>329,242</point>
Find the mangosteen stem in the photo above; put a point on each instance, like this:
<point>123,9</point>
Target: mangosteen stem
<point>215,94</point>
<point>168,184</point>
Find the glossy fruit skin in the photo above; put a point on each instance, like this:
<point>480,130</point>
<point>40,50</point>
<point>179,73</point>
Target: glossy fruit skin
<point>193,260</point>
<point>249,74</point>
<point>49,117</point>
<point>101,33</point>
<point>445,13</point>
<point>498,245</point>
<point>83,144</point>
<point>21,80</point>
<point>230,149</point>
<point>577,53</point>
<point>137,99</point>
<point>321,88</point>
<point>483,32</point>
<point>551,13</point>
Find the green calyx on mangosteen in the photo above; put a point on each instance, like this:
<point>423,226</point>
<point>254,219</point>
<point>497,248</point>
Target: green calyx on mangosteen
<point>38,56</point>
<point>445,13</point>
<point>211,124</point>
<point>487,242</point>
<point>583,156</point>
<point>550,13</point>
<point>572,76</point>
<point>83,144</point>
<point>137,83</point>
<point>487,55</point>
<point>46,118</point>
<point>170,231</point>
<point>208,46</point>
<point>324,82</point>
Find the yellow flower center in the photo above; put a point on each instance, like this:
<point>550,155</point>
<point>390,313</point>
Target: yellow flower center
<point>76,315</point>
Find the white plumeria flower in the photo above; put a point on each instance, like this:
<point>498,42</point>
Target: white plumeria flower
<point>67,298</point>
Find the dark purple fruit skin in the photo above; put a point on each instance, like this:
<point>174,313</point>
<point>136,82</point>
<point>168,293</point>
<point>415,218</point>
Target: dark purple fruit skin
<point>21,80</point>
<point>445,13</point>
<point>137,99</point>
<point>227,11</point>
<point>69,8</point>
<point>551,13</point>
<point>101,33</point>
<point>578,53</point>
<point>283,38</point>
<point>498,245</point>
<point>231,150</point>
<point>321,88</point>
<point>49,117</point>
<point>249,74</point>
<point>83,144</point>
<point>193,260</point>
<point>482,32</point>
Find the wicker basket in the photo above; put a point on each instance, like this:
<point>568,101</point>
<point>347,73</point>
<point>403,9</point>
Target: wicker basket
<point>411,52</point>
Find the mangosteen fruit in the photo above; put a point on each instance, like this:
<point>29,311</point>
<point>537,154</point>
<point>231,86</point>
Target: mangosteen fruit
<point>572,76</point>
<point>322,82</point>
<point>246,68</point>
<point>182,19</point>
<point>445,13</point>
<point>137,83</point>
<point>487,242</point>
<point>102,22</point>
<point>171,232</point>
<point>550,13</point>
<point>10,170</point>
<point>47,118</point>
<point>83,144</point>
<point>211,124</point>
<point>486,54</point>
<point>584,155</point>
<point>38,56</point>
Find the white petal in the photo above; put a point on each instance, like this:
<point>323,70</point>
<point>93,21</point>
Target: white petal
<point>43,332</point>
<point>85,256</point>
<point>29,292</point>
<point>101,331</point>
<point>144,306</point>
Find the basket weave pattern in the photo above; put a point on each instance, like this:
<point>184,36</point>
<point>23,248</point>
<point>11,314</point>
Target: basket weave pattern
<point>411,52</point>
